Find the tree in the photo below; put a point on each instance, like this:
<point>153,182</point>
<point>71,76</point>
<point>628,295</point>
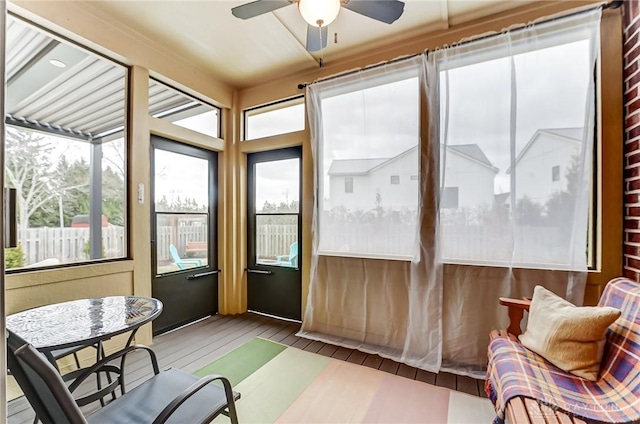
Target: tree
<point>29,170</point>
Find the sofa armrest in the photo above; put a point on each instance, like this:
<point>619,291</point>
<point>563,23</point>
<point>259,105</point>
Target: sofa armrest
<point>516,312</point>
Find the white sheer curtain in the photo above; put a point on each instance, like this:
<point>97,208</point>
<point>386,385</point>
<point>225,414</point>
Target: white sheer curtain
<point>375,278</point>
<point>422,220</point>
<point>516,130</point>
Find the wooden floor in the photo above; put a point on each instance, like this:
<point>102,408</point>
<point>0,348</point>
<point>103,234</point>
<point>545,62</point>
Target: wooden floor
<point>192,347</point>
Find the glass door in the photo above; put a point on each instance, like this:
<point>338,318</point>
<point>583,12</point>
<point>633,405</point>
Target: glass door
<point>184,232</point>
<point>274,222</point>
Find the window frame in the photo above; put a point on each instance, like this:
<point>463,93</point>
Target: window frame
<point>193,98</point>
<point>375,77</point>
<point>594,225</point>
<point>270,107</point>
<point>124,131</point>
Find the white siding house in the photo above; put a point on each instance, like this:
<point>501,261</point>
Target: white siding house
<point>542,165</point>
<point>470,171</point>
<point>393,182</point>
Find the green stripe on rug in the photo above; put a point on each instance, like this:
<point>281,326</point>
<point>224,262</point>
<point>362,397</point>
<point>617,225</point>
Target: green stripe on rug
<point>243,361</point>
<point>269,391</point>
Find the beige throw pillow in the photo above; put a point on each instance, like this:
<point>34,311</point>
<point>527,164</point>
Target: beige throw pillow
<point>570,337</point>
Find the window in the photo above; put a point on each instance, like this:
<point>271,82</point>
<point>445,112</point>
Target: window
<point>274,119</point>
<point>65,150</point>
<point>180,109</point>
<point>348,185</point>
<point>359,118</point>
<point>449,199</point>
<point>413,178</point>
<point>503,154</point>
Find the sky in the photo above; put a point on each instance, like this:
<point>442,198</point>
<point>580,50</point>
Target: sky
<point>183,176</point>
<point>382,121</point>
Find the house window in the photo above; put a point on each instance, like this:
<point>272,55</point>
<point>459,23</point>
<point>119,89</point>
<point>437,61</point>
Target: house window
<point>65,150</point>
<point>180,109</point>
<point>555,173</point>
<point>449,198</point>
<point>379,221</point>
<point>348,185</point>
<point>413,178</point>
<point>274,119</point>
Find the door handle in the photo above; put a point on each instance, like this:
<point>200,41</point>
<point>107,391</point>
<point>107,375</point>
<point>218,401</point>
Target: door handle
<point>203,274</point>
<point>258,271</point>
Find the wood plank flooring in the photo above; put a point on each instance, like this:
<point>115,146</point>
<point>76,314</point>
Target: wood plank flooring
<point>192,347</point>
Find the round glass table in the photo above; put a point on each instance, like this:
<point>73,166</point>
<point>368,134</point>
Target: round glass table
<point>83,322</point>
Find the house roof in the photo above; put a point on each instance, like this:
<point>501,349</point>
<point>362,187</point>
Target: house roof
<point>365,166</point>
<point>353,166</point>
<point>502,198</point>
<point>573,135</point>
<point>472,151</point>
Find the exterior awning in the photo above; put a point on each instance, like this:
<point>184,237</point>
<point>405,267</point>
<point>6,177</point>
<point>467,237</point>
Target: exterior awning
<point>57,87</point>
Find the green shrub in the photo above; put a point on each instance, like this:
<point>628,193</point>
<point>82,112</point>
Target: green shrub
<point>86,249</point>
<point>13,257</point>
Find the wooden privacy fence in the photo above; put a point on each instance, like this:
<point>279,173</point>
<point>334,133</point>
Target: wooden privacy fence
<point>376,239</point>
<point>67,244</point>
<point>275,239</point>
<point>179,236</point>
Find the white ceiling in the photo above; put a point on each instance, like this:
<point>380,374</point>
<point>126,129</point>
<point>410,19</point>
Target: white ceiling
<point>243,53</point>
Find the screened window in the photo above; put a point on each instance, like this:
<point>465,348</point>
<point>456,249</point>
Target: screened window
<point>180,109</point>
<point>359,120</point>
<point>65,151</point>
<point>511,145</point>
<point>274,119</point>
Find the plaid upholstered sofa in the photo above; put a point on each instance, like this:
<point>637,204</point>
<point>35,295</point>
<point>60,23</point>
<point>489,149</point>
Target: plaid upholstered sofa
<point>524,387</point>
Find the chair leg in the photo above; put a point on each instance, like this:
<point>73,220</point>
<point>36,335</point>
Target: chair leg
<point>75,356</point>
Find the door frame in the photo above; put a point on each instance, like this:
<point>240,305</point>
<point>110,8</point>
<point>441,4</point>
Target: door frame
<point>174,146</point>
<point>294,152</point>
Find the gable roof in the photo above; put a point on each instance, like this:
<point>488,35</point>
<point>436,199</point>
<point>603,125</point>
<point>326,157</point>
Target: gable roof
<point>353,166</point>
<point>365,166</point>
<point>473,151</point>
<point>573,135</point>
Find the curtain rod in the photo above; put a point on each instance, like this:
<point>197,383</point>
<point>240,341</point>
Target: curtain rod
<point>611,5</point>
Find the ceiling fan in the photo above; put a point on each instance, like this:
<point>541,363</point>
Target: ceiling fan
<point>320,13</point>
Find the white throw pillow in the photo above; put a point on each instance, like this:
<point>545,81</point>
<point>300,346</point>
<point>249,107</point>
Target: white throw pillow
<point>570,337</point>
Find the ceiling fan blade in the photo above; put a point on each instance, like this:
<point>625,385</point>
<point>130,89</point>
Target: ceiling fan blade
<point>313,38</point>
<point>258,7</point>
<point>387,11</point>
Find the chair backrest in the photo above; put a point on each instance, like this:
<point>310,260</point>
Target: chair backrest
<point>623,336</point>
<point>293,254</point>
<point>174,253</point>
<point>176,258</point>
<point>41,383</point>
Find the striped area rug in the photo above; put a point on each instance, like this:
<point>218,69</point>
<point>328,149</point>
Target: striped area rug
<point>282,384</point>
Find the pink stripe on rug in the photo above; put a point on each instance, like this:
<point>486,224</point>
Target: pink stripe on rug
<point>341,393</point>
<point>400,400</point>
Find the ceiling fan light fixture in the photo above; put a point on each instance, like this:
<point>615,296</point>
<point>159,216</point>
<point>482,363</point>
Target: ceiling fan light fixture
<point>319,13</point>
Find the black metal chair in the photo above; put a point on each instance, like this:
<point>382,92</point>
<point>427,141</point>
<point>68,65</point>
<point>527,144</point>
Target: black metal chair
<point>169,396</point>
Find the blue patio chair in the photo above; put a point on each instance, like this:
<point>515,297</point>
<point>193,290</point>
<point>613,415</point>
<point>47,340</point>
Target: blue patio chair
<point>183,263</point>
<point>290,260</point>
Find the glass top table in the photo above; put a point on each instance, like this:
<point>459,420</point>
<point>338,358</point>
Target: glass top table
<point>83,322</point>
